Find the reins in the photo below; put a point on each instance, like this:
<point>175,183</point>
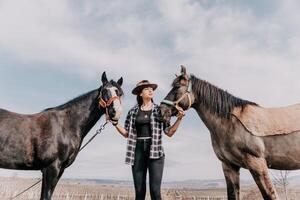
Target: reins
<point>97,132</point>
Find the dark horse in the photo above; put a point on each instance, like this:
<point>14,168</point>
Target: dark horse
<point>50,140</point>
<point>233,144</point>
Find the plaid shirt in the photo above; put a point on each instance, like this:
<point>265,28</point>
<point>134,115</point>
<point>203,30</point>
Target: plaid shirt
<point>157,126</point>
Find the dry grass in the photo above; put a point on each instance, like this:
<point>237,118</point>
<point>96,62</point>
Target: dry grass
<point>9,187</point>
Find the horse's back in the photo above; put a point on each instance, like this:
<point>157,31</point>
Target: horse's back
<point>4,114</point>
<point>12,120</point>
<point>21,138</point>
<point>262,121</point>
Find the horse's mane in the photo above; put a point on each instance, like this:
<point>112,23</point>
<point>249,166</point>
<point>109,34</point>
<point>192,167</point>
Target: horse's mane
<point>216,100</point>
<point>72,101</point>
<point>83,96</point>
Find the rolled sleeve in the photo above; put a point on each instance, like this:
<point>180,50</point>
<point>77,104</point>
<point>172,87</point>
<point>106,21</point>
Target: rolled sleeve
<point>127,121</point>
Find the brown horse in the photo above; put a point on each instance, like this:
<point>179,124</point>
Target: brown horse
<point>50,140</point>
<point>234,144</point>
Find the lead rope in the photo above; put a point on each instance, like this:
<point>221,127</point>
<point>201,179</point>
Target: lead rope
<point>97,132</point>
<point>27,189</point>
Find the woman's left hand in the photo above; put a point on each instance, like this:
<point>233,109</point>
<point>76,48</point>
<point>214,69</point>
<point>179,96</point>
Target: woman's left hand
<point>180,114</point>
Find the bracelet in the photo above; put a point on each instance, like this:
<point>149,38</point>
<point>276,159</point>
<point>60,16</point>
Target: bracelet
<point>115,123</point>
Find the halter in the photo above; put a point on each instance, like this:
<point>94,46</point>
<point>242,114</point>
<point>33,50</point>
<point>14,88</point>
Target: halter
<point>176,103</point>
<point>105,104</point>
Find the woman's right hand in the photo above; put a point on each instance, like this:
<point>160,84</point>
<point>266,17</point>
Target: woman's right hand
<point>114,123</point>
<point>119,128</point>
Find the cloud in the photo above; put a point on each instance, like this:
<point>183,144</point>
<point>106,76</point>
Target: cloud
<point>153,39</point>
<point>35,34</point>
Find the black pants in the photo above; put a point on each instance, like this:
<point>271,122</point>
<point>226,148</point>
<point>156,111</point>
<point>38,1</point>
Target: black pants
<point>142,162</point>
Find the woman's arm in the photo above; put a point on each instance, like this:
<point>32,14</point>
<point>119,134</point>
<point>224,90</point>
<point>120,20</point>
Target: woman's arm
<point>171,130</point>
<point>121,130</point>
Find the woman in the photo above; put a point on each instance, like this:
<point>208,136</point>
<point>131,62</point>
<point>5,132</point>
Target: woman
<point>143,128</point>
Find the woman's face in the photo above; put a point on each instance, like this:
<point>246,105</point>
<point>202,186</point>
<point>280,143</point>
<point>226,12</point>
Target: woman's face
<point>147,93</point>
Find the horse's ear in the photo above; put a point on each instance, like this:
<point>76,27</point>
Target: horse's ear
<point>104,78</point>
<point>183,70</point>
<point>120,81</point>
<point>176,75</point>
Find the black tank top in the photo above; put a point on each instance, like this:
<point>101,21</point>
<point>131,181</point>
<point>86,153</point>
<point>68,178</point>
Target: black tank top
<point>142,123</point>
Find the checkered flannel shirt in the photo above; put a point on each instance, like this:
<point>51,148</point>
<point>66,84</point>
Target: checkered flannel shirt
<point>157,126</point>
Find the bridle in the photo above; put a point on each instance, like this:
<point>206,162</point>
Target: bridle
<point>105,104</point>
<point>176,103</point>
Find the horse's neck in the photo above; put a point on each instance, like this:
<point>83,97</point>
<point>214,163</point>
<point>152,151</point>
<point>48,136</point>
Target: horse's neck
<point>211,120</point>
<point>85,113</point>
<point>214,105</point>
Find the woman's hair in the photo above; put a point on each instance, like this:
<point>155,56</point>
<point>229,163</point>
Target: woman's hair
<point>139,99</point>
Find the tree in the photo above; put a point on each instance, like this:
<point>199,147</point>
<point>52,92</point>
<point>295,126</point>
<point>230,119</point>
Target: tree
<point>281,180</point>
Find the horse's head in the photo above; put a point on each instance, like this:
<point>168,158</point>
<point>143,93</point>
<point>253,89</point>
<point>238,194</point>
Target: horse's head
<point>180,98</point>
<point>110,97</point>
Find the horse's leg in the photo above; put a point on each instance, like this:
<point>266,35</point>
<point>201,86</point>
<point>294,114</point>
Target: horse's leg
<point>232,176</point>
<point>51,175</point>
<point>259,170</point>
<point>57,179</point>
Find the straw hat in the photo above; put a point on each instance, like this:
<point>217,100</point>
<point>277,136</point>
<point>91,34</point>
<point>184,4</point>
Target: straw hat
<point>141,85</point>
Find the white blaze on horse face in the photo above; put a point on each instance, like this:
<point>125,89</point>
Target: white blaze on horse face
<point>116,103</point>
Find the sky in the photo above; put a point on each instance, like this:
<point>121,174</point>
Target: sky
<point>54,51</point>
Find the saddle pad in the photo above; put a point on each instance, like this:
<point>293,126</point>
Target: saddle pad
<point>262,121</point>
